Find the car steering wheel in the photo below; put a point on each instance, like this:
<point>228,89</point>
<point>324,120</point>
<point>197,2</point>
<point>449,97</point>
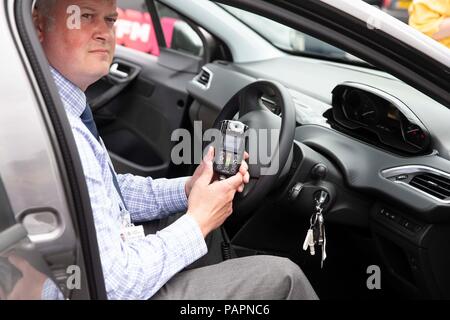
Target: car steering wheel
<point>249,105</point>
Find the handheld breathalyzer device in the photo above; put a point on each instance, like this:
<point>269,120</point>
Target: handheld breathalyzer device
<point>231,148</point>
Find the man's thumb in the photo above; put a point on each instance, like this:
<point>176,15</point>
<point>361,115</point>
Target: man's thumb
<point>207,172</point>
<point>209,155</point>
<point>19,263</point>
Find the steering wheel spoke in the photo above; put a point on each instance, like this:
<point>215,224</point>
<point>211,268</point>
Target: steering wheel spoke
<point>269,143</point>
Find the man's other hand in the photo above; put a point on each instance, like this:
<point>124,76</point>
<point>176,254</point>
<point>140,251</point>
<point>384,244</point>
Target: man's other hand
<point>211,201</point>
<point>30,286</point>
<point>210,155</point>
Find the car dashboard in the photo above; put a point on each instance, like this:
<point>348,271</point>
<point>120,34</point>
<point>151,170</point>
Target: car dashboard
<point>385,148</point>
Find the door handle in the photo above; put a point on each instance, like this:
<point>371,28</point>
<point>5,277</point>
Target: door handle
<point>114,71</point>
<point>121,74</point>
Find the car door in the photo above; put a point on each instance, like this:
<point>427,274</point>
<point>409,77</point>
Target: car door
<point>144,98</point>
<point>17,252</point>
<point>45,217</point>
<point>37,221</point>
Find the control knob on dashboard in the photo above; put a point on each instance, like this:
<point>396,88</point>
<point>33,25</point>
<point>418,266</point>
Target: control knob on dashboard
<point>319,171</point>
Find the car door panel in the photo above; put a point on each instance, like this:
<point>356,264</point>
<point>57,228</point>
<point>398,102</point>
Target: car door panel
<point>137,123</point>
<point>121,75</point>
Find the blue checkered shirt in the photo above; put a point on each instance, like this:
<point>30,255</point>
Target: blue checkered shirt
<point>138,269</point>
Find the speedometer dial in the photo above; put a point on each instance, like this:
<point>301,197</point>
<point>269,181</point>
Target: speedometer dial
<point>369,113</point>
<point>361,108</point>
<point>414,135</point>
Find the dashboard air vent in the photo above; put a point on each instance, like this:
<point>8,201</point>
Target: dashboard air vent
<point>433,184</point>
<point>204,78</point>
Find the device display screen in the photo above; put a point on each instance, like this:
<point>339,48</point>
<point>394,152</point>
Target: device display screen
<point>231,143</point>
<point>228,159</point>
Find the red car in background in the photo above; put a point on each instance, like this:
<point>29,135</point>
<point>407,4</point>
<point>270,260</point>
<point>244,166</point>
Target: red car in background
<point>134,29</point>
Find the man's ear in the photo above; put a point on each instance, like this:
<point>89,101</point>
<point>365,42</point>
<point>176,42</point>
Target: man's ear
<point>39,25</point>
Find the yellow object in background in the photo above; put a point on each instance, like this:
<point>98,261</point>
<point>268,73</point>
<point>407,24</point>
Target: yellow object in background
<point>427,16</point>
<point>403,4</point>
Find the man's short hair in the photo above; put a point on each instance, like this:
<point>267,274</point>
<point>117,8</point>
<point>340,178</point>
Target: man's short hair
<point>45,9</point>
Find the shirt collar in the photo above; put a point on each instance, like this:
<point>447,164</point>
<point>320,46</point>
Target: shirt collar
<point>73,97</point>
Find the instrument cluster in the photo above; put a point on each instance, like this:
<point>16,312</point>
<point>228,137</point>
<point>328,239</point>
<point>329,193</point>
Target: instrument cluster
<point>379,117</point>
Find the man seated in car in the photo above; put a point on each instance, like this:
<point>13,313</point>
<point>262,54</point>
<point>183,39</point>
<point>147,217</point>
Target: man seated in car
<point>154,265</point>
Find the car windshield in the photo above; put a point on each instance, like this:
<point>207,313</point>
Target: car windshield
<point>290,40</point>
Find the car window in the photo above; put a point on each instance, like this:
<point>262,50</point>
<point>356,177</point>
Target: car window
<point>178,33</point>
<point>134,29</point>
<point>288,39</point>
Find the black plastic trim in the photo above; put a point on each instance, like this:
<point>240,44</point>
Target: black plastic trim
<point>156,23</point>
<point>7,215</point>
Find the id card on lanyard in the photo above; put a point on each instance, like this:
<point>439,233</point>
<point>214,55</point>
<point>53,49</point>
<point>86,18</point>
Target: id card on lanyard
<point>132,233</point>
<point>128,231</point>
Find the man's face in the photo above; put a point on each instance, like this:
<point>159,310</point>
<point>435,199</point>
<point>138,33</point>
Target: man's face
<point>83,55</point>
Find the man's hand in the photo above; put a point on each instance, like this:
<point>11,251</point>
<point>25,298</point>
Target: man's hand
<point>2,294</point>
<point>198,172</point>
<point>30,286</point>
<point>210,204</point>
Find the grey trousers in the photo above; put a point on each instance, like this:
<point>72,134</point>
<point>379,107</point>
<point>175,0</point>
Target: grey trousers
<point>248,278</point>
